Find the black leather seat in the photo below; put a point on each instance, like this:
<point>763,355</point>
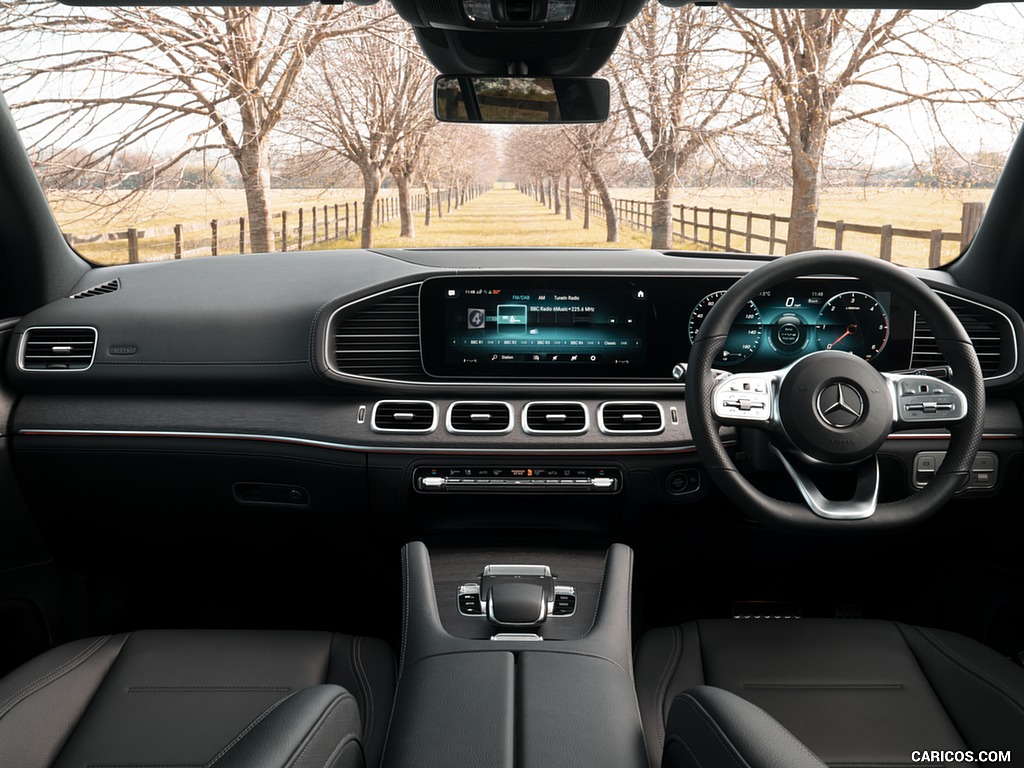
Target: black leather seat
<point>856,693</point>
<point>198,698</point>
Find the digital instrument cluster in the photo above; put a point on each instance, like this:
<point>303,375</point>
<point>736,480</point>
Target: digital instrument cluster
<point>639,327</point>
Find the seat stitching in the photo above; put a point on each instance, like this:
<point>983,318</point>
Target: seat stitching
<point>207,689</point>
<point>803,747</point>
<point>319,726</point>
<point>345,744</point>
<point>686,746</point>
<point>364,685</point>
<point>715,730</point>
<point>248,728</point>
<point>663,681</point>
<point>824,686</point>
<point>969,667</point>
<point>17,697</point>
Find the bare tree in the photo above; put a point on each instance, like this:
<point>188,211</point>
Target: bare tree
<point>679,91</point>
<point>594,146</point>
<point>363,99</point>
<point>814,57</point>
<point>116,78</point>
<point>406,164</point>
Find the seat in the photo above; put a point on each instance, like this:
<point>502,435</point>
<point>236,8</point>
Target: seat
<point>855,692</point>
<point>198,698</point>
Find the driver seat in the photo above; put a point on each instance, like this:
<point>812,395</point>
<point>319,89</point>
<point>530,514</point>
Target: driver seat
<point>855,692</point>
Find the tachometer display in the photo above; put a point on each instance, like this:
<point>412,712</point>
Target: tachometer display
<point>853,322</point>
<point>744,335</point>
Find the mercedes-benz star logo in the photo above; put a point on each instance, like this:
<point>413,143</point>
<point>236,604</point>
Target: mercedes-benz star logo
<point>840,405</point>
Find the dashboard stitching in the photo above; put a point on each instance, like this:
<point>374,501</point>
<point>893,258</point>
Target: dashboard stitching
<point>196,453</point>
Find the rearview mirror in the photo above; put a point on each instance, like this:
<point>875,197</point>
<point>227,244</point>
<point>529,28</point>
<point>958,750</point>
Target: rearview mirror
<point>485,99</point>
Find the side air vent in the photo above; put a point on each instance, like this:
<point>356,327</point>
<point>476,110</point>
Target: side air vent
<point>404,416</point>
<point>630,418</point>
<point>547,418</point>
<point>378,337</point>
<point>479,418</point>
<point>98,290</point>
<point>57,349</point>
<point>990,331</point>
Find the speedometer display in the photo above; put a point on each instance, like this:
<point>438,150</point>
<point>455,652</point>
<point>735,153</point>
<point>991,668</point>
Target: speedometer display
<point>744,335</point>
<point>853,322</point>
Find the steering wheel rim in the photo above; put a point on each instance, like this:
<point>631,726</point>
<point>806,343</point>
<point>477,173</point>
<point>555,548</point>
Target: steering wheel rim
<point>952,340</point>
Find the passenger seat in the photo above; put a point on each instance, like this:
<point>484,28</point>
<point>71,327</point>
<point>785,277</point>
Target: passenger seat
<point>266,699</point>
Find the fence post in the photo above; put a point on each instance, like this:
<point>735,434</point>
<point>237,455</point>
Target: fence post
<point>179,246</point>
<point>284,230</point>
<point>133,245</point>
<point>969,222</point>
<point>682,221</point>
<point>355,217</point>
<point>840,227</point>
<point>301,223</point>
<point>241,234</point>
<point>711,228</point>
<point>346,221</point>
<point>337,234</point>
<point>696,239</point>
<point>771,235</point>
<point>728,229</point>
<point>750,232</point>
<point>314,224</point>
<point>885,247</point>
<point>214,240</point>
<point>935,249</point>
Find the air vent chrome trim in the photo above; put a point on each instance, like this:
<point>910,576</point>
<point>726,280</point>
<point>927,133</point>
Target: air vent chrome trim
<point>22,346</point>
<point>417,431</point>
<point>98,290</point>
<point>656,431</point>
<point>530,431</point>
<point>455,431</point>
<point>1011,369</point>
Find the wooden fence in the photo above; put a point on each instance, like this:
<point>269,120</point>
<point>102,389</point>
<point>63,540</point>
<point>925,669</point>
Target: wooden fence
<point>730,230</point>
<point>293,229</point>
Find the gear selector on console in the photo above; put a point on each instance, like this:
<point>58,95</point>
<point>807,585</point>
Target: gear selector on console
<point>516,598</point>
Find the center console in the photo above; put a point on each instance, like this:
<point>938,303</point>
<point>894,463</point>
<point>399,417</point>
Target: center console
<point>516,658</point>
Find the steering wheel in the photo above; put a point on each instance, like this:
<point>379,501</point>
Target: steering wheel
<point>832,409</point>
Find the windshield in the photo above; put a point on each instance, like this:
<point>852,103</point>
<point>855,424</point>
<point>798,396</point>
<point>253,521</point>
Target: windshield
<point>163,133</point>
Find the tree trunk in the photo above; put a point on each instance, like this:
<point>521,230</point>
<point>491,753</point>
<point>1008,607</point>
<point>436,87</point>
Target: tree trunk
<point>585,186</point>
<point>408,226</point>
<point>254,167</point>
<point>568,197</point>
<point>558,196</point>
<point>371,188</point>
<point>661,215</point>
<point>543,199</point>
<point>426,213</point>
<point>803,208</point>
<point>610,220</point>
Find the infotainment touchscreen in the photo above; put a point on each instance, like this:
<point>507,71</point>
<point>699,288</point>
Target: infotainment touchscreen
<point>553,327</point>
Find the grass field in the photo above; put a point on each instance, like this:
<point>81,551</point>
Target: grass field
<point>500,217</point>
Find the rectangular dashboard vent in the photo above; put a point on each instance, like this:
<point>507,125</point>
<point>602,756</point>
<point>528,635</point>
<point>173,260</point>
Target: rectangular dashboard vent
<point>990,332</point>
<point>58,349</point>
<point>404,416</point>
<point>380,337</point>
<point>557,418</point>
<point>479,417</point>
<point>646,418</point>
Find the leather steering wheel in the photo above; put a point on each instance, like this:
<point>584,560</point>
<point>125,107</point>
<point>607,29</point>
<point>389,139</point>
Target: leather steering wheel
<point>832,409</point>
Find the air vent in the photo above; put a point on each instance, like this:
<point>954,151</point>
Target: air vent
<point>479,418</point>
<point>379,337</point>
<point>57,349</point>
<point>990,332</point>
<point>555,418</point>
<point>404,416</point>
<point>98,290</point>
<point>631,418</point>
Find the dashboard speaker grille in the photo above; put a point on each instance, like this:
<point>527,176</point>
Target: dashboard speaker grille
<point>380,337</point>
<point>990,332</point>
<point>98,290</point>
<point>58,349</point>
<point>555,418</point>
<point>404,416</point>
<point>631,418</point>
<point>480,417</point>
